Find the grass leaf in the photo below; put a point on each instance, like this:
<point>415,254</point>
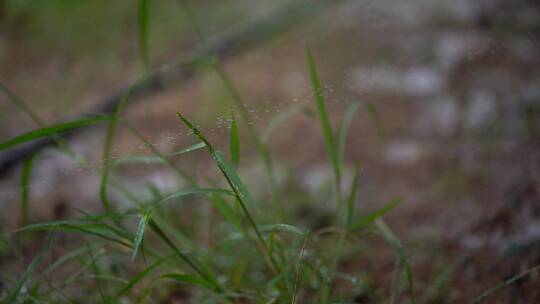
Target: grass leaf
<point>345,125</point>
<point>234,143</point>
<point>375,117</point>
<point>25,189</point>
<point>193,147</point>
<point>144,39</point>
<point>391,238</point>
<point>140,234</point>
<point>325,121</point>
<point>188,279</point>
<point>141,275</point>
<point>373,216</point>
<point>51,130</point>
<point>14,293</point>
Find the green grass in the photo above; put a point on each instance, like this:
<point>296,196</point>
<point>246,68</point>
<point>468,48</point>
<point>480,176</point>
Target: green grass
<point>213,239</point>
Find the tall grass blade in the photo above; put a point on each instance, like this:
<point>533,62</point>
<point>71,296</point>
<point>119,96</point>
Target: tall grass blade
<point>234,143</point>
<point>391,238</point>
<point>299,270</point>
<point>279,119</point>
<point>325,121</point>
<point>51,130</point>
<point>352,196</point>
<point>144,39</point>
<point>14,293</point>
<point>343,130</point>
<point>25,189</point>
<point>103,187</point>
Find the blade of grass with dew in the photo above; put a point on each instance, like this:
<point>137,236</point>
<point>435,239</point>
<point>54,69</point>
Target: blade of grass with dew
<point>373,216</point>
<point>325,121</point>
<point>193,147</point>
<point>25,189</point>
<point>203,273</point>
<point>343,130</point>
<point>234,143</point>
<point>504,284</point>
<point>391,238</point>
<point>157,153</point>
<point>14,293</point>
<point>143,26</point>
<point>262,149</point>
<point>54,129</point>
<point>242,195</point>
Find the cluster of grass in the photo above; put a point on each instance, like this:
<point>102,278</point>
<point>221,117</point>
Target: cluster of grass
<point>212,240</point>
<point>258,258</point>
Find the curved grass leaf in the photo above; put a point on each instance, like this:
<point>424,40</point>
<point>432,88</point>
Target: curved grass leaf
<point>375,117</point>
<point>51,130</point>
<point>279,119</point>
<point>391,238</point>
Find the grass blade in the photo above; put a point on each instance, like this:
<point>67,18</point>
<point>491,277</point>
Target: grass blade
<point>345,125</point>
<point>299,270</point>
<point>203,273</point>
<point>375,117</point>
<point>352,197</point>
<point>140,234</point>
<point>51,130</point>
<point>144,40</point>
<point>325,121</point>
<point>504,284</point>
<point>193,147</point>
<point>234,143</point>
<point>373,216</point>
<point>25,189</point>
<point>141,275</point>
<point>391,238</point>
<point>188,279</point>
<point>14,293</point>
